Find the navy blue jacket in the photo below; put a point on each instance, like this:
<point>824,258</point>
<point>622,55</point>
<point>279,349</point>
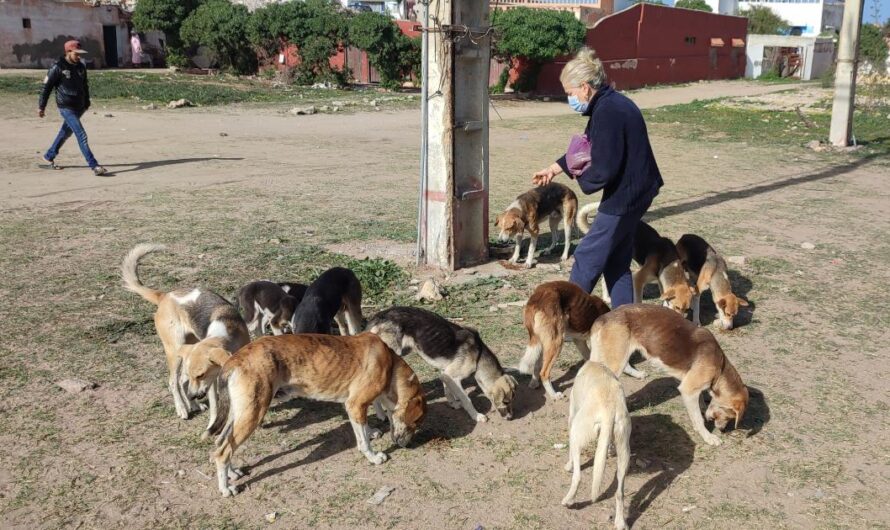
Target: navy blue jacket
<point>621,160</point>
<point>71,85</point>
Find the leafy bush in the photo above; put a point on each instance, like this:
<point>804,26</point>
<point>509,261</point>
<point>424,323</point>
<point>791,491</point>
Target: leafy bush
<point>764,21</point>
<point>166,16</point>
<point>698,5</point>
<point>393,54</point>
<point>872,46</point>
<point>222,27</point>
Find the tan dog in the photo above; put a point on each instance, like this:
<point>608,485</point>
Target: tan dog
<point>685,351</point>
<point>557,311</point>
<point>200,367</point>
<point>186,316</point>
<point>357,370</point>
<point>709,271</point>
<point>596,411</point>
<point>659,262</point>
<point>554,202</point>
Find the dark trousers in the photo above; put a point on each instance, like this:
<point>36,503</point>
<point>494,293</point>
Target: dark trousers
<point>607,249</point>
<point>71,125</point>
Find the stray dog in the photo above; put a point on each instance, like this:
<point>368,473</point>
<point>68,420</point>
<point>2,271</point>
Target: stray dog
<point>457,352</point>
<point>297,290</point>
<point>685,351</point>
<point>659,262</point>
<point>596,411</point>
<point>554,202</point>
<point>708,270</point>
<point>356,371</point>
<point>336,294</point>
<point>199,371</point>
<point>186,316</point>
<point>557,311</point>
<point>268,303</point>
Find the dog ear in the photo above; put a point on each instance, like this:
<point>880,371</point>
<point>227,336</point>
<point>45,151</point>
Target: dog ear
<point>670,294</point>
<point>739,407</point>
<point>497,219</point>
<point>721,304</point>
<point>218,356</point>
<point>743,302</point>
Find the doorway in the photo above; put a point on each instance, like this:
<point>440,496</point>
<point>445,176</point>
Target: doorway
<point>109,36</point>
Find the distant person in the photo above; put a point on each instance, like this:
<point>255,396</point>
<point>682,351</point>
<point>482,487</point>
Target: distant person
<point>621,164</point>
<point>68,76</point>
<point>136,48</point>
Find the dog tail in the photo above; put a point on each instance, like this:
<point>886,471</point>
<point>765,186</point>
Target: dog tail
<point>222,427</point>
<point>602,452</point>
<point>581,219</point>
<point>130,276</point>
<point>533,352</point>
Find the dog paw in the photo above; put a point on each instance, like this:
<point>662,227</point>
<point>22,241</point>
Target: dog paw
<point>375,434</point>
<point>567,502</point>
<point>481,418</point>
<point>557,396</point>
<point>529,264</point>
<point>377,458</point>
<point>235,474</point>
<point>229,491</point>
<point>711,439</point>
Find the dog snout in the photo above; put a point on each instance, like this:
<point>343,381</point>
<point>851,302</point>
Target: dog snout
<point>506,413</point>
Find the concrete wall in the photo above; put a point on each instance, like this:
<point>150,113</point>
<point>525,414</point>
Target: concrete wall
<point>817,54</point>
<point>53,23</point>
<point>806,13</point>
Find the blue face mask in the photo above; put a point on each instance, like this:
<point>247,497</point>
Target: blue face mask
<point>577,105</point>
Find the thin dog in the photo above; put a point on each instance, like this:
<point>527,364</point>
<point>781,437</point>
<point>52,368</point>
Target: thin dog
<point>684,350</point>
<point>355,370</point>
<point>553,202</point>
<point>186,316</point>
<point>337,295</point>
<point>709,271</point>
<point>267,303</point>
<point>455,351</point>
<point>597,410</point>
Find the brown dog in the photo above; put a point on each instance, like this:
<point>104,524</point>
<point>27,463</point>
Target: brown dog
<point>357,370</point>
<point>554,202</point>
<point>186,316</point>
<point>557,311</point>
<point>685,351</point>
<point>709,271</point>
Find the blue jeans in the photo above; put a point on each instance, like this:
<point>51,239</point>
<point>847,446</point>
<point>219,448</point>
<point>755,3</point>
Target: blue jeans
<point>71,125</point>
<point>607,249</point>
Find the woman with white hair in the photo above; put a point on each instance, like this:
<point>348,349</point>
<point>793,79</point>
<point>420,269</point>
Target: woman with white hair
<point>621,164</point>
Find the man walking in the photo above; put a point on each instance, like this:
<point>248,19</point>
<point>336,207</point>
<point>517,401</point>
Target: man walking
<point>69,79</point>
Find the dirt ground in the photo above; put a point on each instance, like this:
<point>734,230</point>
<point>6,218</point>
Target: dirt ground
<point>241,193</point>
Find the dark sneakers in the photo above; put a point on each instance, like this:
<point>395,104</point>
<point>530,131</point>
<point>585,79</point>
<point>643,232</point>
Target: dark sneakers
<point>99,171</point>
<point>52,163</point>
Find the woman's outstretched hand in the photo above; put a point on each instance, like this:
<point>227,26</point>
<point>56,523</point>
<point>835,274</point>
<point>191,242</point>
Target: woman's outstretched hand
<point>543,177</point>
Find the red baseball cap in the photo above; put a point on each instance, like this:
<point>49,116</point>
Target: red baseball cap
<point>74,46</point>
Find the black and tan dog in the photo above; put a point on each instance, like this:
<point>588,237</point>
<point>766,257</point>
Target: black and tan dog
<point>355,370</point>
<point>186,317</point>
<point>659,262</point>
<point>265,302</point>
<point>557,311</point>
<point>455,351</point>
<point>337,295</point>
<point>709,271</point>
<point>554,202</point>
<point>684,350</point>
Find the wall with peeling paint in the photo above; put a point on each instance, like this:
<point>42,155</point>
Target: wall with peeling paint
<point>51,24</point>
<point>650,44</point>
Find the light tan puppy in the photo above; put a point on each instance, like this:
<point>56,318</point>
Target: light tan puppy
<point>684,350</point>
<point>597,410</point>
<point>709,271</point>
<point>557,311</point>
<point>185,316</point>
<point>356,370</point>
<point>201,366</point>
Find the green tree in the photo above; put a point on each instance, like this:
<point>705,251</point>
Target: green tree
<point>872,46</point>
<point>698,5</point>
<point>166,16</point>
<point>764,21</point>
<point>222,27</point>
<point>391,52</point>
<point>536,35</point>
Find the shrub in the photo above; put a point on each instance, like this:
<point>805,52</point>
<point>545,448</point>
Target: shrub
<point>393,54</point>
<point>764,21</point>
<point>222,27</point>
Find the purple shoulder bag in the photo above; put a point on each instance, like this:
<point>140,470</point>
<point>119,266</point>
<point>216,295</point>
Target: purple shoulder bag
<point>578,155</point>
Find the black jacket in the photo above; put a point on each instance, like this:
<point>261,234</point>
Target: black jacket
<point>70,82</point>
<point>621,160</point>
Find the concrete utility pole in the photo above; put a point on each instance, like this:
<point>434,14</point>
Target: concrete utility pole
<point>453,217</point>
<point>845,74</point>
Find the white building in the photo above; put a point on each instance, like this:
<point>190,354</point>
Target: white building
<point>806,17</point>
<point>807,57</point>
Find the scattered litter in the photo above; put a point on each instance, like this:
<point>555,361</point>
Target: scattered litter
<point>303,111</point>
<point>799,273</point>
<point>478,527</point>
<point>818,494</point>
<point>817,146</point>
<point>275,241</point>
<point>741,261</point>
<point>108,229</point>
<point>150,106</point>
<point>429,291</point>
<point>180,473</point>
<point>109,115</point>
<point>223,134</point>
<point>179,103</point>
<point>493,309</point>
<point>715,156</point>
<point>559,446</point>
<point>687,509</point>
<point>271,517</point>
<point>373,102</point>
<point>520,303</point>
<point>75,386</point>
<point>807,246</point>
<point>381,494</point>
<point>326,85</point>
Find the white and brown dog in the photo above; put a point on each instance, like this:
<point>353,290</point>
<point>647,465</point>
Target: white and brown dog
<point>267,303</point>
<point>659,262</point>
<point>557,311</point>
<point>554,202</point>
<point>597,410</point>
<point>357,370</point>
<point>684,350</point>
<point>709,271</point>
<point>186,317</point>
